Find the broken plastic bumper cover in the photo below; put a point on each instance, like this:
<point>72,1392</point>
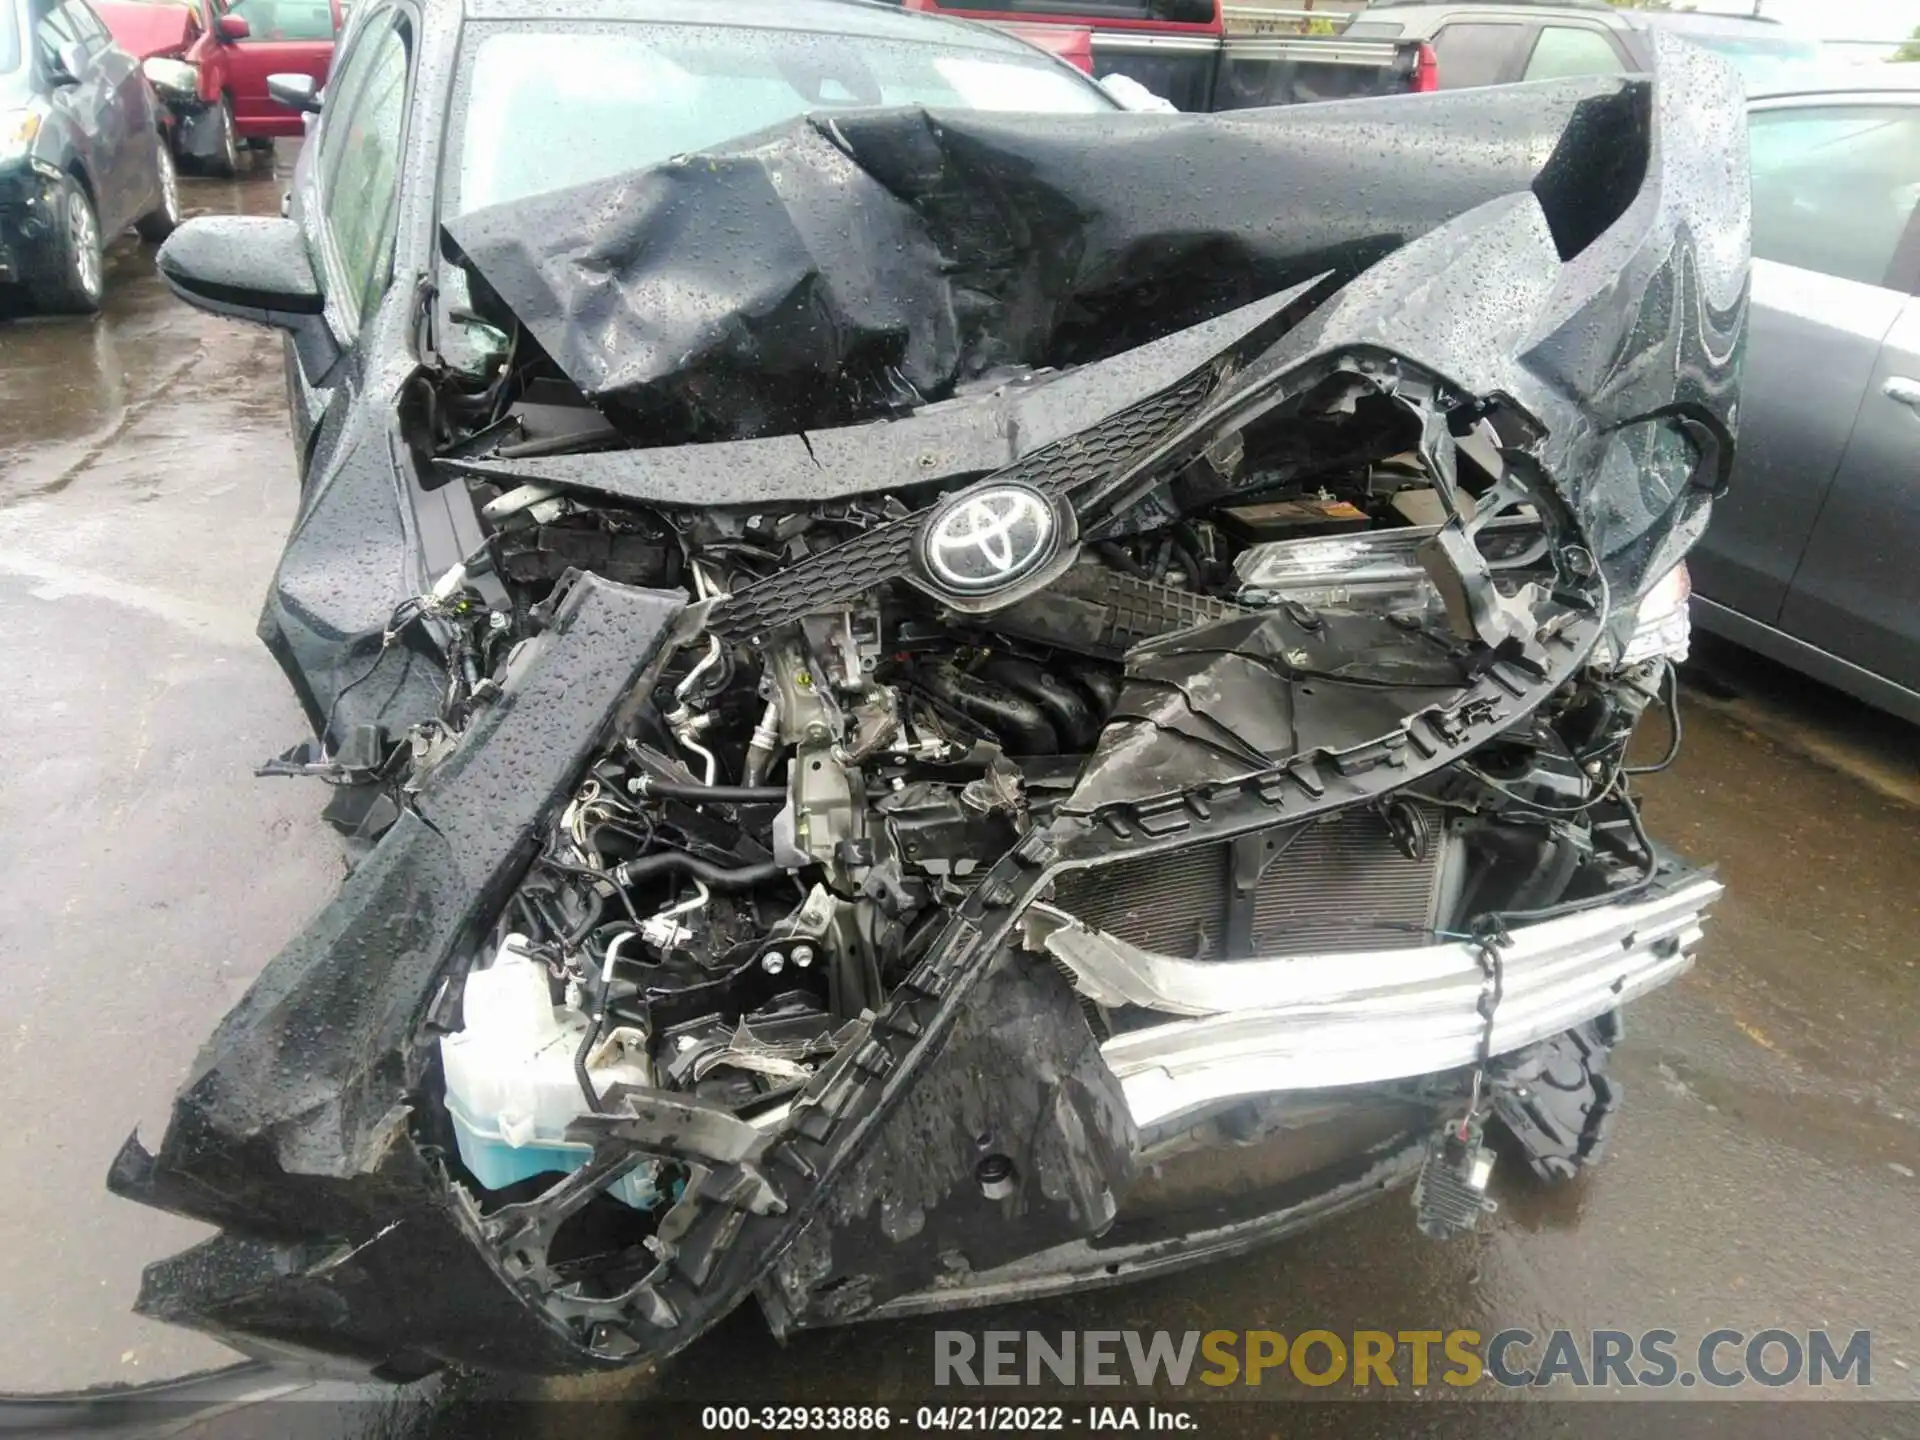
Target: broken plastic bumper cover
<point>1309,1021</point>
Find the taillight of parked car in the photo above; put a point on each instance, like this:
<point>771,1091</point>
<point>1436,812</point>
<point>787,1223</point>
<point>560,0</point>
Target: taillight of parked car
<point>1426,70</point>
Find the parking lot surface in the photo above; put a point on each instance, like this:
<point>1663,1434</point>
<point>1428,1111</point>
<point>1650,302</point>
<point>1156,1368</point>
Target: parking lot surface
<point>1765,1170</point>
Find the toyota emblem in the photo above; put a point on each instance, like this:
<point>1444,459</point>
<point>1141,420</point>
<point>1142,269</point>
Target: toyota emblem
<point>987,539</point>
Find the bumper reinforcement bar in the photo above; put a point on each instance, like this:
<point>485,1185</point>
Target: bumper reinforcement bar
<point>1297,1022</point>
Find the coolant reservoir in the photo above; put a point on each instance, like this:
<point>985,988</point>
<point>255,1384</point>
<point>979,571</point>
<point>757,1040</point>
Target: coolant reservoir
<point>511,1086</point>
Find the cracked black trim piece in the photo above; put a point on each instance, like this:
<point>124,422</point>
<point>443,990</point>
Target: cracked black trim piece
<point>1079,1265</point>
<point>1313,783</point>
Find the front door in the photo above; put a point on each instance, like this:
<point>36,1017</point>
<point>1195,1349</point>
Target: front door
<point>135,180</point>
<point>1820,312</point>
<point>285,37</point>
<point>1837,187</point>
<point>1857,592</point>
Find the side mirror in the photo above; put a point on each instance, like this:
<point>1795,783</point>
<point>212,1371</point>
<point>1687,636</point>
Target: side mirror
<point>69,63</point>
<point>296,92</point>
<point>234,27</point>
<point>252,268</point>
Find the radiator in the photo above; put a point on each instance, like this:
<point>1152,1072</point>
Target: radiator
<point>1338,885</point>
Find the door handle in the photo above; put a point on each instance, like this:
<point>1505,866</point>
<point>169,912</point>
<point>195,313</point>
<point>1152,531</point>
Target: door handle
<point>1906,391</point>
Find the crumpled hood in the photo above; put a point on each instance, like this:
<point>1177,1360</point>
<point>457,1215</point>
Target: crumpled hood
<point>1578,248</point>
<point>843,267</point>
<point>143,29</point>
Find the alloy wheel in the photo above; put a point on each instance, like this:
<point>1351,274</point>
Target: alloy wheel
<point>229,141</point>
<point>169,186</point>
<point>83,238</point>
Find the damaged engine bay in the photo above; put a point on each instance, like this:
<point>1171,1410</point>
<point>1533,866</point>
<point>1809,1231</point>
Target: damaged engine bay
<point>806,794</point>
<point>858,851</point>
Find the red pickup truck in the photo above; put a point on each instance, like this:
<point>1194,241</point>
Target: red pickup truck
<point>219,105</point>
<point>1203,55</point>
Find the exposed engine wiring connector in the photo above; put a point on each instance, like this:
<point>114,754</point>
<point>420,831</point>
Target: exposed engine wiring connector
<point>763,746</point>
<point>663,930</point>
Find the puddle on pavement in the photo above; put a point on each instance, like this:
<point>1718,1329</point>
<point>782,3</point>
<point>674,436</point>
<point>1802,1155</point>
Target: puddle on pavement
<point>67,382</point>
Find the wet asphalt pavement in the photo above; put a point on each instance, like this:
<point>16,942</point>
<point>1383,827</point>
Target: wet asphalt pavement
<point>1765,1171</point>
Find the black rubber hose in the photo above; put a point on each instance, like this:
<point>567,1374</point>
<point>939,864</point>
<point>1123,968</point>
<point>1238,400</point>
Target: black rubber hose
<point>1019,723</point>
<point>587,1042</point>
<point>1674,729</point>
<point>1197,578</point>
<point>718,794</point>
<point>664,862</point>
<point>1072,717</point>
<point>596,908</point>
<point>575,442</point>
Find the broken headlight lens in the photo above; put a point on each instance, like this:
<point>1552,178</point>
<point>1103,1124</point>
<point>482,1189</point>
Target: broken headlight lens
<point>174,79</point>
<point>1380,568</point>
<point>17,129</point>
<point>1661,624</point>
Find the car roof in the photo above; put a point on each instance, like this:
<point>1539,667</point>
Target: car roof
<point>1900,83</point>
<point>1585,7</point>
<point>830,17</point>
<point>1493,4</point>
<point>1426,17</point>
<point>1711,21</point>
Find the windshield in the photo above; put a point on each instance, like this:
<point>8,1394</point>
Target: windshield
<point>551,106</point>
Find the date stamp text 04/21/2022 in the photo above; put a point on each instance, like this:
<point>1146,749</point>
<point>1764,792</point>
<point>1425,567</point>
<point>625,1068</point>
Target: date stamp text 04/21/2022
<point>1009,1419</point>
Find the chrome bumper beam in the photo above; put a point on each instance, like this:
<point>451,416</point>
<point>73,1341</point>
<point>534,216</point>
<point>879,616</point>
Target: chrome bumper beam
<point>1303,1022</point>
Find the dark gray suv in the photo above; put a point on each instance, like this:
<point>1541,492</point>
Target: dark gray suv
<point>81,156</point>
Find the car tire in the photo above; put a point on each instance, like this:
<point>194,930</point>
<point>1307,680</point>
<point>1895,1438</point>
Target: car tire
<point>225,160</point>
<point>157,224</point>
<point>67,275</point>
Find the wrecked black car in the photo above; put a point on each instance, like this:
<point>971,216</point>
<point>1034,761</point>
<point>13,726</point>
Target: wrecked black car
<point>937,706</point>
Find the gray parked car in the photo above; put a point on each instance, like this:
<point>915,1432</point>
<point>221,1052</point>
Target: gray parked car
<point>81,156</point>
<point>1812,558</point>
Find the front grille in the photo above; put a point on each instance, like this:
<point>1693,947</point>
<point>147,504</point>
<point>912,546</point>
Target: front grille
<point>1341,885</point>
<point>884,553</point>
